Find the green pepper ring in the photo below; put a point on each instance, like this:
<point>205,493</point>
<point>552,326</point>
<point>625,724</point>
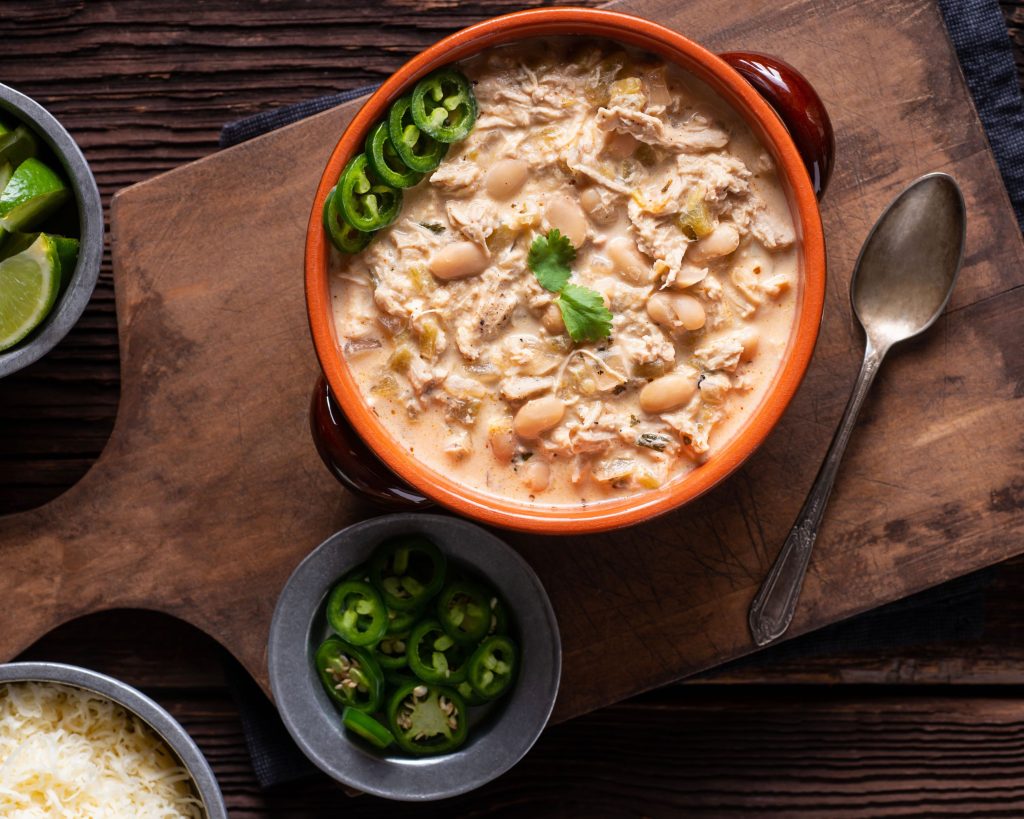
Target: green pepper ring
<point>338,613</point>
<point>342,235</point>
<point>367,203</point>
<point>476,667</point>
<point>430,674</point>
<point>378,146</point>
<point>363,725</point>
<point>444,613</point>
<point>383,558</point>
<point>371,672</point>
<point>469,694</point>
<point>402,621</point>
<point>406,135</point>
<point>460,105</point>
<point>410,745</point>
<point>499,617</point>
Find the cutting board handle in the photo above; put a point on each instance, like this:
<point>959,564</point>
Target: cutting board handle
<point>797,104</point>
<point>351,461</point>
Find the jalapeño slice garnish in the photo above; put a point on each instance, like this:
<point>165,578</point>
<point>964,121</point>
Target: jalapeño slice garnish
<point>444,106</point>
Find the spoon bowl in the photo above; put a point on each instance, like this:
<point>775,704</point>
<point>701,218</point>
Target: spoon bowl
<point>909,263</point>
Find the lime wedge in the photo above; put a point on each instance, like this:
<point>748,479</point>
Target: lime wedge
<point>18,145</point>
<point>67,252</point>
<point>29,282</point>
<point>15,243</point>
<point>6,169</point>
<point>33,193</point>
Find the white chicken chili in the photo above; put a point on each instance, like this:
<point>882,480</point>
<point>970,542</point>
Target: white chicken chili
<point>673,267</point>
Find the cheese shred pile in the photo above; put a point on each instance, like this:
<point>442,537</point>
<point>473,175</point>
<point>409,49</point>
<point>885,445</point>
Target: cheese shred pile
<point>65,752</point>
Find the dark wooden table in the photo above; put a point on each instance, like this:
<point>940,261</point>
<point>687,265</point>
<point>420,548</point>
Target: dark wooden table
<point>935,727</point>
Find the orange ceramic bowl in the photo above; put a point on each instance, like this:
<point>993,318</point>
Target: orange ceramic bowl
<point>800,191</point>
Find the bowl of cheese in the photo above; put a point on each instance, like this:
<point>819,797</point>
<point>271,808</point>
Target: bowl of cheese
<point>76,743</point>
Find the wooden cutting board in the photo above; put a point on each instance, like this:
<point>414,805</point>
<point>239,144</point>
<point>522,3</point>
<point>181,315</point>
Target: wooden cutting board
<point>210,490</point>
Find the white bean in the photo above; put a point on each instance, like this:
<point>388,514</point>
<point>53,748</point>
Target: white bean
<point>624,255</point>
<point>458,261</point>
<point>567,215</point>
<point>668,392</point>
<point>503,445</point>
<point>690,311</point>
<point>749,339</point>
<point>676,310</point>
<point>590,199</point>
<point>552,320</point>
<point>595,206</point>
<point>537,416</point>
<point>689,275</point>
<point>659,308</point>
<point>506,177</point>
<point>722,241</point>
<point>537,475</point>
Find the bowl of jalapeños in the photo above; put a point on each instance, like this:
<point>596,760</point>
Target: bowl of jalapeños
<point>414,657</point>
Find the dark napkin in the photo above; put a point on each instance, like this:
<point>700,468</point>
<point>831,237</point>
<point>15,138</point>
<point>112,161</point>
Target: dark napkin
<point>978,31</point>
<point>952,612</point>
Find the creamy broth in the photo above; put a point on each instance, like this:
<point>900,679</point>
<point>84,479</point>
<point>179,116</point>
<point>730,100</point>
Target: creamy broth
<point>679,222</point>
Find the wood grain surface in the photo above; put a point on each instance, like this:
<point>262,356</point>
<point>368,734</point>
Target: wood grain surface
<point>709,747</point>
<point>158,100</point>
<point>209,490</point>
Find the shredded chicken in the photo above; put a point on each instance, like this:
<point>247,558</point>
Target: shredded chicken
<point>679,208</point>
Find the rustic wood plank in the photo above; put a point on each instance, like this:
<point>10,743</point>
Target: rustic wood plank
<point>850,751</point>
<point>710,754</point>
<point>644,763</point>
<point>168,487</point>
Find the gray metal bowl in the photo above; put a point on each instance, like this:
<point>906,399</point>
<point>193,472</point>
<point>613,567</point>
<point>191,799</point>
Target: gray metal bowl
<point>71,303</point>
<point>162,723</point>
<point>497,740</point>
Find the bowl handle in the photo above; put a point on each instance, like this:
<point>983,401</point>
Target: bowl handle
<point>351,461</point>
<point>797,104</point>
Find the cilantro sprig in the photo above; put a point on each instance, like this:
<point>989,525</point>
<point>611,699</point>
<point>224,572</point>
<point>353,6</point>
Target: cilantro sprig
<point>549,259</point>
<point>583,311</point>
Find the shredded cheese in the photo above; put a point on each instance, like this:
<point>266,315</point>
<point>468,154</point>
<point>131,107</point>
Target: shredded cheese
<point>65,752</point>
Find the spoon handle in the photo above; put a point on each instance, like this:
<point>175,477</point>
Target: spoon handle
<point>773,607</point>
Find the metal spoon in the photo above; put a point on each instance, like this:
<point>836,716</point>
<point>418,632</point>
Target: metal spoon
<point>901,283</point>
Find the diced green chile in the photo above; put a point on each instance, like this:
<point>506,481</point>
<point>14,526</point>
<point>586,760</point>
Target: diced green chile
<point>492,668</point>
<point>365,726</point>
<point>357,613</point>
<point>427,719</point>
<point>419,152</point>
<point>367,203</point>
<point>385,161</point>
<point>444,106</point>
<point>350,675</point>
<point>434,656</point>
<point>342,235</point>
<point>464,609</point>
<point>408,570</point>
<point>391,651</point>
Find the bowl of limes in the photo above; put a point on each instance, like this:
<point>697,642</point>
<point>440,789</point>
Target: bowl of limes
<point>51,231</point>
